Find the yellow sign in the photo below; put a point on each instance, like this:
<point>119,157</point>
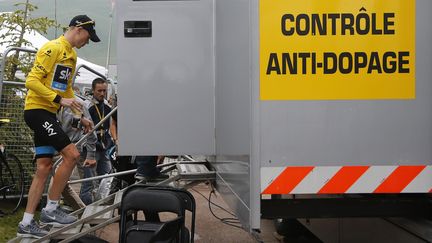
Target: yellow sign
<point>337,50</point>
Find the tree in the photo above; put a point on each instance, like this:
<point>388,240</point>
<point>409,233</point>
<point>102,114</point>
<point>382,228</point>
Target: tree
<point>16,24</point>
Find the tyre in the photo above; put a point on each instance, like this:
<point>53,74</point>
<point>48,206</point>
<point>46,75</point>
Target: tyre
<point>11,184</point>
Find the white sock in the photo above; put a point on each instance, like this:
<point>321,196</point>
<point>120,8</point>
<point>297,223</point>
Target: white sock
<point>27,218</point>
<point>51,205</point>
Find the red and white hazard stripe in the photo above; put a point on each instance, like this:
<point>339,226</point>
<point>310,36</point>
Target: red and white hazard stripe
<point>346,179</point>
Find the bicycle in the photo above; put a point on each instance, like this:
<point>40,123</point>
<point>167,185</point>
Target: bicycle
<point>11,180</point>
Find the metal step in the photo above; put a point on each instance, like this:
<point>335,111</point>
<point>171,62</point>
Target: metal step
<point>67,233</point>
<point>91,210</point>
<point>63,235</point>
<point>118,197</point>
<point>194,171</point>
<point>25,240</point>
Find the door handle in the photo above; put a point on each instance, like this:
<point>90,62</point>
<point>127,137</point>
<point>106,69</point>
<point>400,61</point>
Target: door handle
<point>137,29</point>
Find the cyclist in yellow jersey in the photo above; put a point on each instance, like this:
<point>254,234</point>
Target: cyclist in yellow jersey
<point>49,86</point>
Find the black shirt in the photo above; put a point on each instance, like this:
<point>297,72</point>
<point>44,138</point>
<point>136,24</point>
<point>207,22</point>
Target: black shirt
<point>98,110</point>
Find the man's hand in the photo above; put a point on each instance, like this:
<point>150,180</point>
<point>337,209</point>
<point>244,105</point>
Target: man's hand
<point>87,124</point>
<point>72,103</point>
<point>89,163</point>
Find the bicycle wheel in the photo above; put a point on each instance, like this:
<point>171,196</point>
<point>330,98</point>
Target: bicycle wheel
<point>12,184</point>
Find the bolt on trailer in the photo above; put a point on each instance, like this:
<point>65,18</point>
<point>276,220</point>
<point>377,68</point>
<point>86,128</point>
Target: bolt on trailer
<point>305,108</point>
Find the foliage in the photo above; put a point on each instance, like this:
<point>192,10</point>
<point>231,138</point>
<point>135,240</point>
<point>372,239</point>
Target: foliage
<point>14,25</point>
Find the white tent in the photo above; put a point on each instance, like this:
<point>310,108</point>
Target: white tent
<point>84,77</point>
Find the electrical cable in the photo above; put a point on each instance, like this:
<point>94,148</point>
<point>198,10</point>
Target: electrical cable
<point>228,221</point>
<point>232,214</point>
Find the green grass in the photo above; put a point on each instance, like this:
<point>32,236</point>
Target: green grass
<point>9,223</point>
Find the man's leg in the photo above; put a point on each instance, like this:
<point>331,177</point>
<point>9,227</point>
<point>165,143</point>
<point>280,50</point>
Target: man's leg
<point>37,187</point>
<point>85,197</point>
<point>70,156</point>
<point>147,170</point>
<point>70,195</point>
<point>103,163</point>
<point>28,227</point>
<point>51,214</point>
<point>88,187</point>
<point>72,199</point>
<point>146,166</point>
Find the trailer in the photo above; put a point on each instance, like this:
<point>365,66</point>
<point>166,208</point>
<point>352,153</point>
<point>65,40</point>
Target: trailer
<point>305,109</point>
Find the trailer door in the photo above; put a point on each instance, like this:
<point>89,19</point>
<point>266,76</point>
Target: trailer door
<point>165,77</point>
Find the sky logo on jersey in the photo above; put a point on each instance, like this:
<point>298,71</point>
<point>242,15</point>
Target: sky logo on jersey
<point>62,74</point>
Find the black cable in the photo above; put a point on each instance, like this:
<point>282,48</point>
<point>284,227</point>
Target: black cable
<point>227,221</point>
<point>232,214</point>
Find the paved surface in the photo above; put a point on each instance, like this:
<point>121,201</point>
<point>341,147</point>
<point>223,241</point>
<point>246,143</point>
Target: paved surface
<point>208,228</point>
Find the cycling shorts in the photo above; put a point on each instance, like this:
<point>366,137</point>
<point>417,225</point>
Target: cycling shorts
<point>48,134</point>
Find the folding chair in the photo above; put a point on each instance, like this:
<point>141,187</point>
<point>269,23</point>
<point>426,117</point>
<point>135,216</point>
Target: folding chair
<point>188,204</point>
<point>152,201</point>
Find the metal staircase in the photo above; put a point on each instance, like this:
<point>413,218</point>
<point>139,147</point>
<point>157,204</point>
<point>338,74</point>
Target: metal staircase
<point>184,174</point>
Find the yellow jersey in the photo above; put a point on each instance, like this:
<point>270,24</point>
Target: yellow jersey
<point>51,76</point>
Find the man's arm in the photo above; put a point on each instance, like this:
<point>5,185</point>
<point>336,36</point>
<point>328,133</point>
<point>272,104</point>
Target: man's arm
<point>43,65</point>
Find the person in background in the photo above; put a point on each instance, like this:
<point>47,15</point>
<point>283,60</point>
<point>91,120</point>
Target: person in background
<point>147,170</point>
<point>98,109</point>
<point>49,85</point>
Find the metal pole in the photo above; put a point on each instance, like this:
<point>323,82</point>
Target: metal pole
<point>3,62</point>
<point>189,158</point>
<point>88,134</point>
<point>14,83</point>
<point>89,69</point>
<point>102,176</point>
<point>109,40</point>
<point>55,18</point>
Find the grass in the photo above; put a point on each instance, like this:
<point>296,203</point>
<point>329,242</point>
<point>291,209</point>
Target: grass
<point>9,223</point>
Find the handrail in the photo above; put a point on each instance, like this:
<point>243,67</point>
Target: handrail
<point>86,135</point>
<point>89,69</point>
<point>126,172</point>
<point>14,83</point>
<point>3,62</point>
<point>110,81</point>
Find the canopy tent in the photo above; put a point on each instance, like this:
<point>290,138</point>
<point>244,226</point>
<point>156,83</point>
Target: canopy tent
<point>84,76</point>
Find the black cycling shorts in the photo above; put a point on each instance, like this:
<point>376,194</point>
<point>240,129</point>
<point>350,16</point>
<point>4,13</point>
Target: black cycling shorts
<point>48,134</point>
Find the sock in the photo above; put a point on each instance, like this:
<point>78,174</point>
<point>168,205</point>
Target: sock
<point>51,205</point>
<point>27,218</point>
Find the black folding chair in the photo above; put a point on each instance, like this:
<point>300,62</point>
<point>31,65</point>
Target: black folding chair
<point>188,204</point>
<point>152,201</point>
